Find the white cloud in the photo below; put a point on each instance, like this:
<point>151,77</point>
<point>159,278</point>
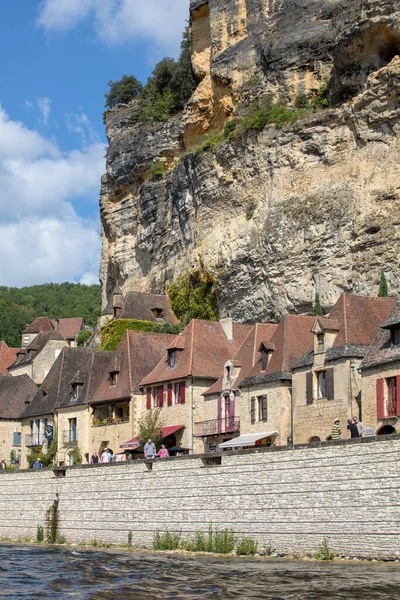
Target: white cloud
<point>43,238</point>
<point>120,21</point>
<point>80,124</point>
<point>44,106</point>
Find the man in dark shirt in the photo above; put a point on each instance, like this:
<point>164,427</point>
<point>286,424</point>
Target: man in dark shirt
<point>95,458</point>
<point>352,429</point>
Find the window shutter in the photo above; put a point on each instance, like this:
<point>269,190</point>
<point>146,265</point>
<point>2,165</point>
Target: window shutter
<point>253,409</point>
<point>398,395</point>
<point>330,390</point>
<point>219,413</point>
<point>182,390</point>
<point>264,408</point>
<point>161,396</point>
<point>380,399</point>
<point>148,399</point>
<point>169,396</point>
<point>309,387</point>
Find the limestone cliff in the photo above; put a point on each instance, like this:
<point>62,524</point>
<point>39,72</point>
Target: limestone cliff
<point>279,213</point>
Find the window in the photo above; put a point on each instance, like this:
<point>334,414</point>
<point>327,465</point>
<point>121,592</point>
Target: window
<point>72,429</point>
<point>392,396</point>
<point>320,341</point>
<point>113,378</point>
<point>179,390</point>
<point>264,359</point>
<point>262,408</point>
<point>321,384</point>
<point>76,390</point>
<point>171,358</point>
<point>17,438</point>
<point>158,313</point>
<point>395,336</point>
<point>228,372</point>
<point>158,395</point>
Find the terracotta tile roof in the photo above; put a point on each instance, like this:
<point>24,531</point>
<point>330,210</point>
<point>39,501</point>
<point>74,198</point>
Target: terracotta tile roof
<point>137,354</point>
<point>39,324</point>
<point>7,357</point>
<point>382,351</point>
<point>205,349</point>
<point>69,327</point>
<point>26,355</point>
<point>14,392</point>
<point>291,338</point>
<point>139,305</point>
<point>247,354</point>
<point>84,364</point>
<point>394,318</point>
<point>327,323</point>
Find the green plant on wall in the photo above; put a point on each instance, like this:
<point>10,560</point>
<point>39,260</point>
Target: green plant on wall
<point>76,456</point>
<point>47,458</point>
<point>194,295</point>
<point>149,427</point>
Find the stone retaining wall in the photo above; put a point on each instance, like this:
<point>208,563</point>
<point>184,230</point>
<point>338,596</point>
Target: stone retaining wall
<point>289,498</point>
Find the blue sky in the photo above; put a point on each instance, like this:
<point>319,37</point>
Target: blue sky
<point>58,56</point>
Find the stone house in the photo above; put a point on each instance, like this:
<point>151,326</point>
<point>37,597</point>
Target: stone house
<point>326,380</point>
<point>68,328</point>
<point>15,392</point>
<point>62,404</point>
<point>191,363</point>
<point>141,306</point>
<point>7,357</point>
<point>118,402</point>
<point>380,379</point>
<point>37,358</point>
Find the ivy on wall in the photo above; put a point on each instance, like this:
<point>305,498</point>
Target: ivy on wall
<point>113,332</point>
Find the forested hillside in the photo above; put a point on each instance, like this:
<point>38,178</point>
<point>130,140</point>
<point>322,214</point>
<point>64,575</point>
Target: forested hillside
<point>19,306</point>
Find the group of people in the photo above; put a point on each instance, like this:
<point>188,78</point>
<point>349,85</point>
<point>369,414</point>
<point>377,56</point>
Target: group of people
<point>354,428</point>
<point>108,455</point>
<point>150,450</point>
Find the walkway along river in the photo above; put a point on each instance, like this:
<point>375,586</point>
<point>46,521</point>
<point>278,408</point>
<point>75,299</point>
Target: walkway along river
<point>29,572</point>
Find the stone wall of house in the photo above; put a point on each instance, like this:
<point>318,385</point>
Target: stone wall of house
<point>316,419</point>
<point>42,363</point>
<point>289,498</point>
<point>7,430</point>
<point>369,412</point>
<point>26,450</point>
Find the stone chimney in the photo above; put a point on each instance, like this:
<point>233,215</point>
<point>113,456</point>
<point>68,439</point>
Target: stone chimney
<point>226,323</point>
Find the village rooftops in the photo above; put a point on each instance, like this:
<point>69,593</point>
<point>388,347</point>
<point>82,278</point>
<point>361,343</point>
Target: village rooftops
<point>26,355</point>
<point>7,357</point>
<point>142,306</point>
<point>290,339</point>
<point>70,382</point>
<point>137,354</point>
<point>15,392</point>
<point>384,349</point>
<point>68,327</point>
<point>357,320</point>
<point>201,350</point>
<point>247,355</point>
<point>39,324</point>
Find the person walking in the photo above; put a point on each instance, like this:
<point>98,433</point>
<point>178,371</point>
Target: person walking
<point>95,458</point>
<point>163,452</point>
<point>360,426</point>
<point>106,456</point>
<point>37,464</point>
<point>3,464</point>
<point>149,449</point>
<point>352,429</point>
<point>336,431</point>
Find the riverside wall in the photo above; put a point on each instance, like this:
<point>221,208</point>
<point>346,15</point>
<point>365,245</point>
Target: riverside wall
<point>287,497</point>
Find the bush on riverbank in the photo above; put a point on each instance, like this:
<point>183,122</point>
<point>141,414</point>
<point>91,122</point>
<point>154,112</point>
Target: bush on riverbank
<point>246,546</point>
<point>324,551</point>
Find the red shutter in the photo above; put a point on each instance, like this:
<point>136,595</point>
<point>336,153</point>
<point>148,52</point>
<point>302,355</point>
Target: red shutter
<point>148,399</point>
<point>169,397</point>
<point>182,390</point>
<point>398,395</point>
<point>253,410</point>
<point>161,396</point>
<point>380,399</point>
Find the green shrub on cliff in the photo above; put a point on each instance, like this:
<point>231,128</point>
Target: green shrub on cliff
<point>123,91</point>
<point>194,296</point>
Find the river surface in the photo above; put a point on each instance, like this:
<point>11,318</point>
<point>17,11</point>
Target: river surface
<point>30,572</point>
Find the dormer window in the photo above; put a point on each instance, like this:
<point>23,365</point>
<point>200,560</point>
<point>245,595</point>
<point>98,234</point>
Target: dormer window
<point>171,358</point>
<point>158,313</point>
<point>320,342</point>
<point>264,359</point>
<point>113,378</point>
<point>395,336</point>
<point>76,390</point>
<point>228,372</point>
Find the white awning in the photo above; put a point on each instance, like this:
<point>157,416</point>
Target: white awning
<point>249,439</point>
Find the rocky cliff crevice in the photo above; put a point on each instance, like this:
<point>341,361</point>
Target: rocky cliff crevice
<point>281,212</point>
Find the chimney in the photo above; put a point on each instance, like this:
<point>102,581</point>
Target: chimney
<point>226,323</point>
<point>56,324</point>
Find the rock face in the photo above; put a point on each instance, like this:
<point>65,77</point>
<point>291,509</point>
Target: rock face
<point>281,213</point>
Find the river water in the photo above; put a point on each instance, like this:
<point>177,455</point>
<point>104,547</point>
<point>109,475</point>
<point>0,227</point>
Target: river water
<point>29,572</point>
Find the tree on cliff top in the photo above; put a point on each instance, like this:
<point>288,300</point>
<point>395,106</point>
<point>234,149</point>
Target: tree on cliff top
<point>123,91</point>
<point>383,286</point>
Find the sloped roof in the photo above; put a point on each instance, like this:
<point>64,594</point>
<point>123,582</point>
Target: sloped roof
<point>382,351</point>
<point>69,327</point>
<point>247,354</point>
<point>7,357</point>
<point>139,305</point>
<point>39,324</point>
<point>14,392</point>
<point>205,349</point>
<point>328,323</point>
<point>29,354</point>
<point>394,318</point>
<point>291,338</point>
<point>137,354</point>
<point>56,390</point>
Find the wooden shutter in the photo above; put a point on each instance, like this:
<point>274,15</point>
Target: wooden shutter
<point>309,387</point>
<point>182,390</point>
<point>264,408</point>
<point>329,381</point>
<point>380,399</point>
<point>219,413</point>
<point>398,395</point>
<point>161,396</point>
<point>148,399</point>
<point>253,409</point>
<point>169,395</point>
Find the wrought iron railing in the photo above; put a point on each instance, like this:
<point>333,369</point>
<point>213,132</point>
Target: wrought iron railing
<point>217,426</point>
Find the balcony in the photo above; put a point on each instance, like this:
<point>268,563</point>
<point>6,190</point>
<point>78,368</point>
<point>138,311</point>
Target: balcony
<point>36,439</point>
<point>217,426</point>
<point>70,436</point>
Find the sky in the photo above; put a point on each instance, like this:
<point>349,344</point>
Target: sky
<point>57,58</point>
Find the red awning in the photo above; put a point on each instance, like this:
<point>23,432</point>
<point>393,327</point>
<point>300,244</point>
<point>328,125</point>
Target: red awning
<point>134,442</point>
